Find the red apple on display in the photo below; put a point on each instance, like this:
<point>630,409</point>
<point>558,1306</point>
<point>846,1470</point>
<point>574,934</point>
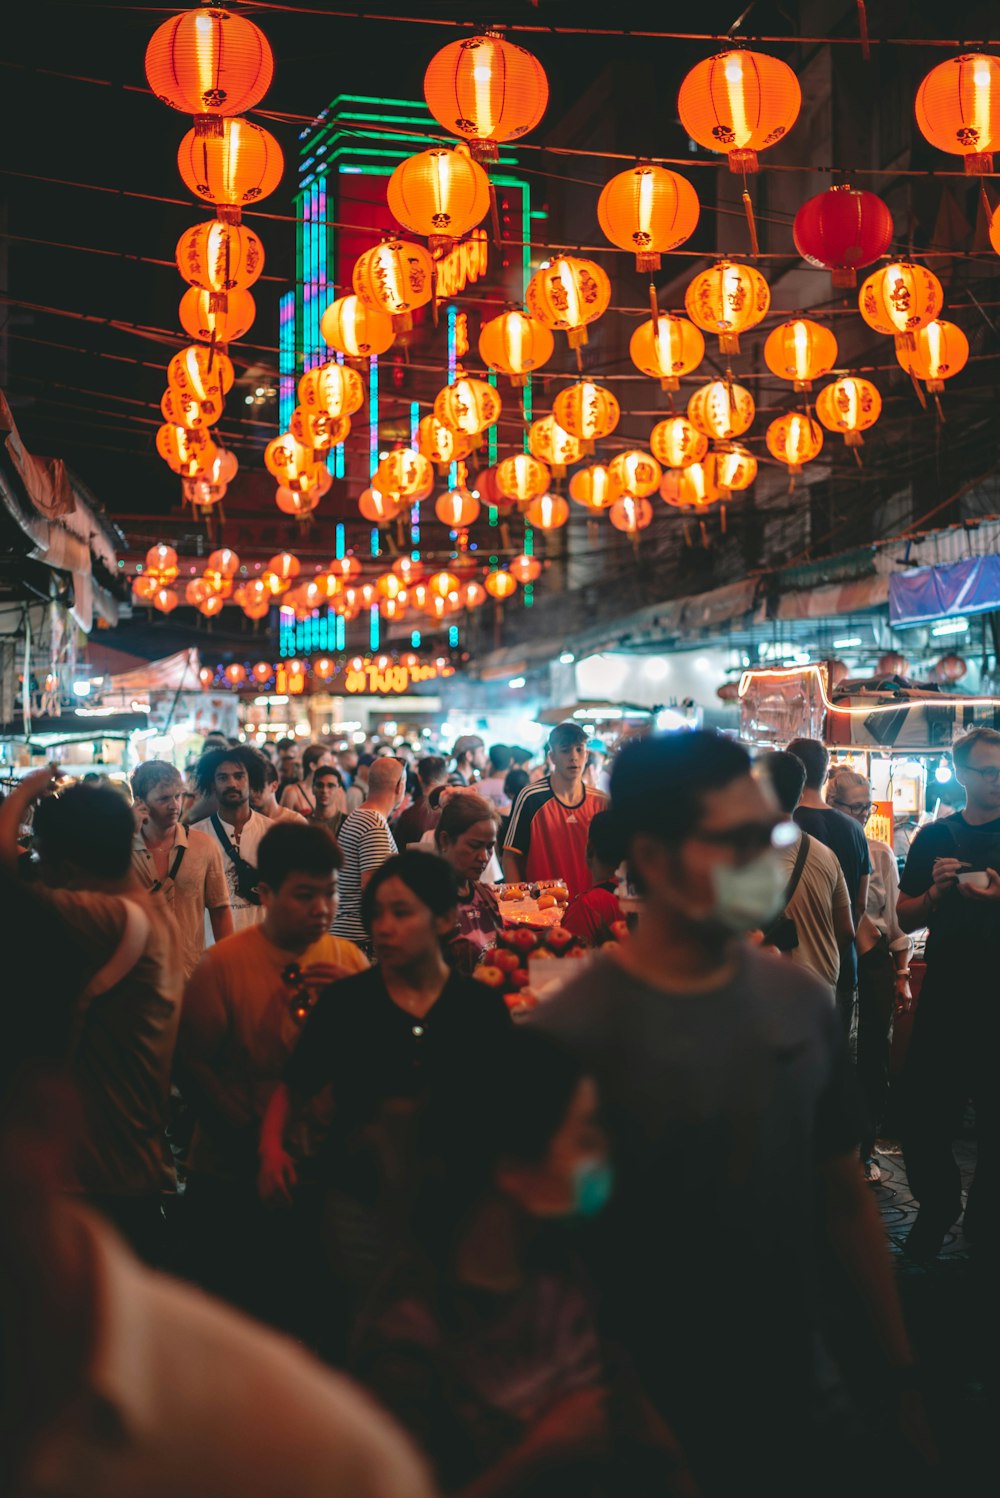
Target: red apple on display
<point>523,939</point>
<point>520,977</point>
<point>559,939</point>
<point>493,977</point>
<point>506,960</point>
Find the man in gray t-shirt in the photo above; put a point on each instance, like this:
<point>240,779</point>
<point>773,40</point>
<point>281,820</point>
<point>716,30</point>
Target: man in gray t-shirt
<point>729,1099</point>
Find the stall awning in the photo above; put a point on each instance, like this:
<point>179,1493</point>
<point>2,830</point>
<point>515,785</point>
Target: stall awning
<point>834,602</point>
<point>927,593</point>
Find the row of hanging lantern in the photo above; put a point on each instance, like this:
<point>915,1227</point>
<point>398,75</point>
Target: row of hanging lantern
<point>212,64</point>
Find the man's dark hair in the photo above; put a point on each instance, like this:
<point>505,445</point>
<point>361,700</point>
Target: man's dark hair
<point>962,748</point>
<point>519,756</point>
<point>499,758</point>
<point>89,826</point>
<point>432,770</point>
<point>514,782</point>
<point>433,881</point>
<point>311,756</point>
<point>787,775</point>
<point>327,772</point>
<point>294,848</point>
<point>241,754</point>
<point>271,776</point>
<point>564,735</point>
<point>283,745</point>
<point>657,782</point>
<point>816,758</point>
<point>147,777</point>
<point>605,840</point>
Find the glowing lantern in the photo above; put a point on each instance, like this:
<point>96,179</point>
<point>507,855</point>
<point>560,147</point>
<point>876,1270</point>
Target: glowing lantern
<point>741,103</point>
<point>958,109</point>
<point>468,406</point>
<point>257,610</point>
<point>951,668</point>
<point>395,278</point>
<point>225,467</point>
<point>292,464</point>
<point>648,210</point>
<point>197,590</point>
<point>677,442</point>
<point>673,348</point>
<point>209,63</point>
<point>145,588</point>
<point>202,493</point>
<point>587,411</point>
<point>356,330</point>
<point>409,570</point>
<point>235,674</point>
<point>182,411</point>
<point>324,668</point>
<point>393,608</point>
<point>696,487</point>
<point>240,166</point>
<point>389,585</point>
<point>204,374</point>
<point>406,473</point>
<point>281,571</point>
<point>165,600</point>
<point>551,445</point>
<point>379,508</point>
<point>842,230</point>
<point>212,605</point>
<point>638,473</point>
<point>297,505</point>
<point>941,351</point>
<point>735,468</point>
<point>440,193</point>
<point>161,561</point>
<point>219,584</point>
<point>186,452</point>
<point>728,300</point>
<point>892,664</point>
<point>548,512</point>
<point>500,584</point>
<point>596,487</point>
<point>995,231</point>
<point>900,299</point>
<point>522,478</point>
<point>514,344</point>
<point>442,583</point>
<point>631,514</point>
<point>722,410</point>
<point>219,258</point>
<point>569,293</point>
<point>472,594</point>
<point>849,406</point>
<point>223,561</point>
<point>457,509</point>
<point>794,439</point>
<point>318,431</point>
<point>524,569</point>
<point>201,320</point>
<point>800,351</point>
<point>333,389</point>
<point>441,443</point>
<point>262,672</point>
<point>206,676</point>
<point>345,568</point>
<point>486,90</point>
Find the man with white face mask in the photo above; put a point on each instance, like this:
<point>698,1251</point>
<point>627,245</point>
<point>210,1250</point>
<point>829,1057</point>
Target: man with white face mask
<point>729,1102</point>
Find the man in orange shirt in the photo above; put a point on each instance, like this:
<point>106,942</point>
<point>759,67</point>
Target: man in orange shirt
<point>547,833</point>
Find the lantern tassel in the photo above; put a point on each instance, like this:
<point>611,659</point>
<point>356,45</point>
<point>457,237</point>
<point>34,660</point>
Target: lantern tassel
<point>722,518</point>
<point>505,534</point>
<point>939,409</point>
<point>857,457</point>
<point>703,528</point>
<point>648,261</point>
<point>229,213</point>
<point>434,293</point>
<point>866,50</point>
<point>494,214</point>
<point>687,534</point>
<point>979,164</point>
<point>593,533</point>
<point>654,306</point>
<point>208,125</point>
<point>751,222</point>
<point>921,397</point>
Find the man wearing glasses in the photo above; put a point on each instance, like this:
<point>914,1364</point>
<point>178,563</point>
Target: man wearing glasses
<point>728,1095</point>
<point>951,885</point>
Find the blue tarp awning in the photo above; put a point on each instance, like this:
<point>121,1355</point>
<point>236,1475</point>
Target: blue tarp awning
<point>928,593</point>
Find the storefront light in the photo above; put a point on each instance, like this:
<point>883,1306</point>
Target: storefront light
<point>515,683</point>
<point>567,658</point>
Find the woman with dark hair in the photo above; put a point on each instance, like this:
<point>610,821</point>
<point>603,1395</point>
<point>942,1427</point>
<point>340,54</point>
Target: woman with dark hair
<point>301,795</point>
<point>483,1337</point>
<point>465,837</point>
<point>383,1041</point>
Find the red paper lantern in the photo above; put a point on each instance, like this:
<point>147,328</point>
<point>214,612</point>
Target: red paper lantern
<point>842,230</point>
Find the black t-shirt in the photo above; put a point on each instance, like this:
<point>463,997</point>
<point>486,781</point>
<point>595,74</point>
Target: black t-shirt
<point>964,934</point>
<point>845,839</point>
<point>370,1050</point>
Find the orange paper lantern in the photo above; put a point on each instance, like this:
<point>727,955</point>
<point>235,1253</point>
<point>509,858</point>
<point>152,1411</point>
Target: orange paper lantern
<point>794,439</point>
<point>355,330</point>
<point>395,278</point>
<point>204,374</point>
<point>514,344</point>
<point>457,509</point>
<point>380,509</point>
<point>596,487</point>
<point>638,473</point>
<point>318,431</point>
<point>333,389</point>
<point>186,452</point>
<point>235,674</point>
<point>183,411</point>
<point>441,444</point>
<point>209,63</point>
<point>631,514</point>
<point>241,166</point>
<point>900,299</point>
<point>224,561</point>
<point>941,351</point>
<point>291,463</point>
<point>442,583</point>
<point>345,568</point>
<point>800,351</point>
<point>849,406</point>
<point>958,109</point>
<point>472,594</point>
<point>569,293</point>
<point>524,569</point>
<point>406,473</point>
<point>290,502</point>
<point>439,193</point>
<point>145,588</point>
<point>500,584</point>
<point>735,467</point>
<point>522,478</point>
<point>218,258</point>
<point>648,210</point>
<point>722,410</point>
<point>677,442</point>
<point>165,600</point>
<point>212,605</point>
<point>161,562</point>
<point>673,348</point>
<point>551,445</point>
<point>696,487</point>
<point>486,90</point>
<point>262,672</point>
<point>468,406</point>
<point>740,103</point>
<point>200,320</point>
<point>587,411</point>
<point>728,300</point>
<point>548,512</point>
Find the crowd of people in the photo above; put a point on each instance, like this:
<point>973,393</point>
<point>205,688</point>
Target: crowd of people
<point>590,1250</point>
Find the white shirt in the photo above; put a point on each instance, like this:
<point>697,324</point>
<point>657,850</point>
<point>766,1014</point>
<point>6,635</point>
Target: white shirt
<point>492,790</point>
<point>244,913</point>
<point>184,1396</point>
<point>883,893</point>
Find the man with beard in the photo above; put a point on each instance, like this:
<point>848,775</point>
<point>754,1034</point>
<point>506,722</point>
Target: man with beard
<point>231,775</point>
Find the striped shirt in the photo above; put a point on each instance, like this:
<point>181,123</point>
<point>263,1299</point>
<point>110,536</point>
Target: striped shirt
<point>550,837</point>
<point>366,843</point>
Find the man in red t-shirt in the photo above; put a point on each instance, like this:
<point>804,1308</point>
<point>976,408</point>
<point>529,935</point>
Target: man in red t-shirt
<point>547,833</point>
<point>592,914</point>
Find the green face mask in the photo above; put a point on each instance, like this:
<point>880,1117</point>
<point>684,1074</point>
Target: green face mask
<point>748,898</point>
